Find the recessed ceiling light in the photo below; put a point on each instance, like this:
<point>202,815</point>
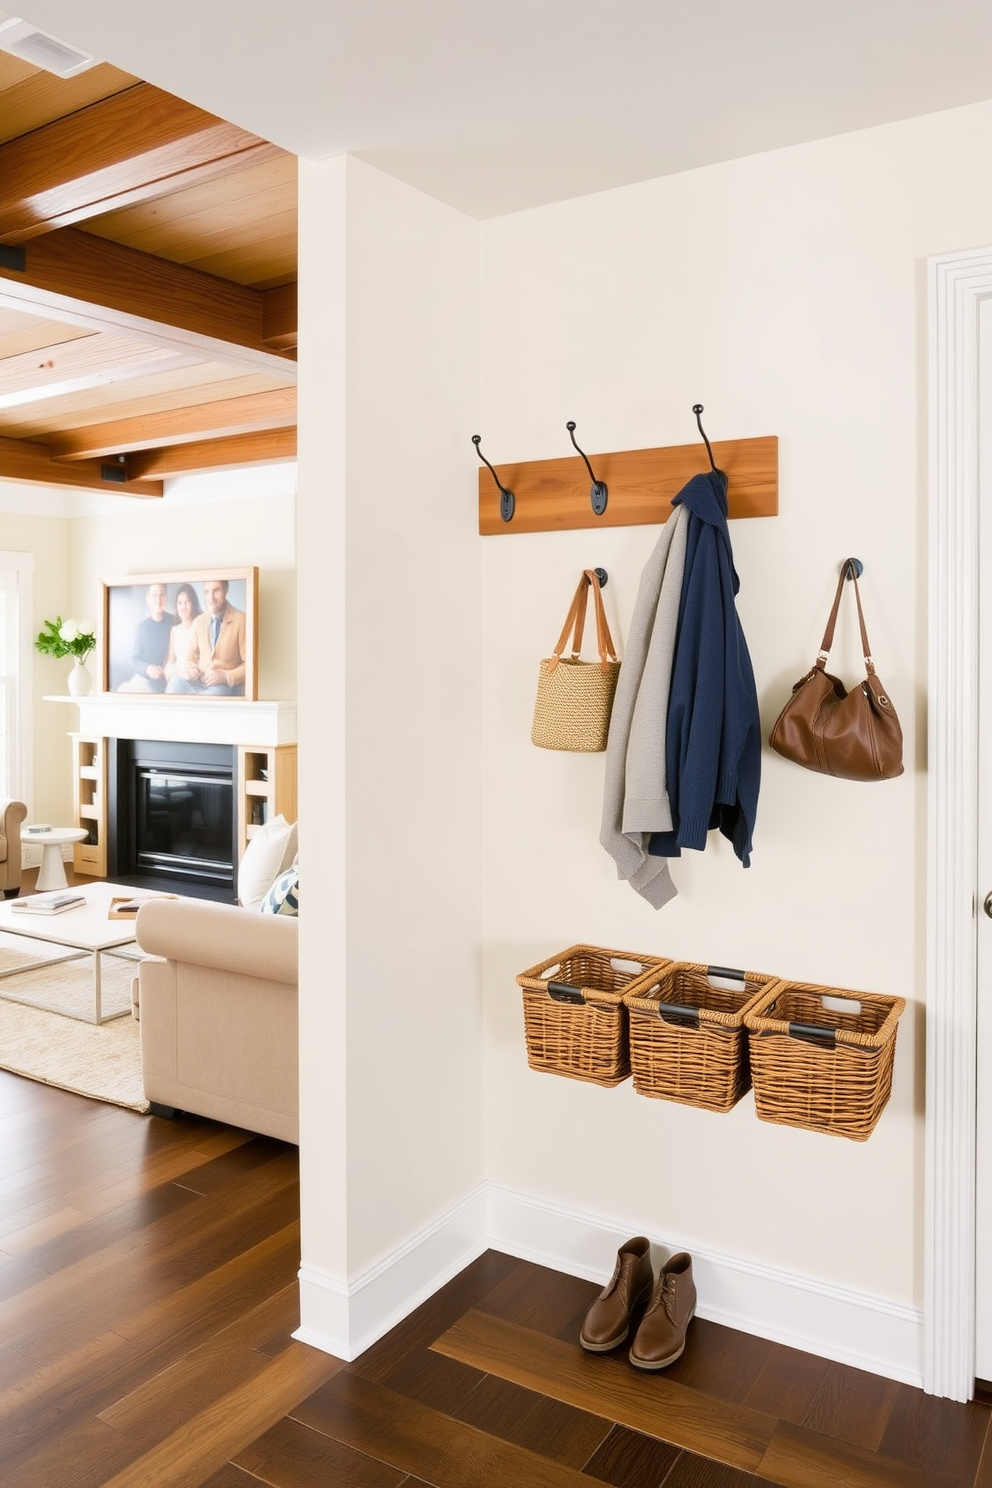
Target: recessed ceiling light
<point>24,40</point>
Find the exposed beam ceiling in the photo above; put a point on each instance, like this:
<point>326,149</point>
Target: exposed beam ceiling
<point>255,413</point>
<point>185,274</point>
<point>24,460</point>
<point>86,362</point>
<point>127,148</point>
<point>92,282</point>
<point>213,454</point>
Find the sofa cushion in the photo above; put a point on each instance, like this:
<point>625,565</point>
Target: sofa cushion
<point>284,895</point>
<point>269,852</point>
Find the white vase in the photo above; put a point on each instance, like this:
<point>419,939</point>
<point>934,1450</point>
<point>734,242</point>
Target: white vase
<point>80,680</point>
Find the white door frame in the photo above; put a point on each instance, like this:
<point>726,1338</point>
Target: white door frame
<point>957,284</point>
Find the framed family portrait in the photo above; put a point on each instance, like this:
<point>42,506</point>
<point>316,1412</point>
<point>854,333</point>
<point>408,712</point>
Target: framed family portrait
<point>189,634</point>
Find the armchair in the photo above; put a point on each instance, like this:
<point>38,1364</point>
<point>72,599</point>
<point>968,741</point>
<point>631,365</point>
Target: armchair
<point>12,814</point>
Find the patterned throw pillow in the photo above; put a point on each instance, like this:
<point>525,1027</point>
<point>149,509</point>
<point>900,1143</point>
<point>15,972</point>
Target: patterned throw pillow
<point>284,895</point>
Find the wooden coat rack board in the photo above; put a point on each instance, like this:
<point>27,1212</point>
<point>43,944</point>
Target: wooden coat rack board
<point>553,495</point>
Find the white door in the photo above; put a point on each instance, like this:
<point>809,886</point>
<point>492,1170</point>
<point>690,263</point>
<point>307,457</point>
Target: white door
<point>983,1193</point>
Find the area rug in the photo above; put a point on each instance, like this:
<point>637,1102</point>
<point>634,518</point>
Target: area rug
<point>101,1061</point>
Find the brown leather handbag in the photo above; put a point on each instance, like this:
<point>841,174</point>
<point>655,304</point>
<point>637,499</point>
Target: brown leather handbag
<point>854,735</point>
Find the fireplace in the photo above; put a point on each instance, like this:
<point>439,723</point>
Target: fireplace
<point>172,817</point>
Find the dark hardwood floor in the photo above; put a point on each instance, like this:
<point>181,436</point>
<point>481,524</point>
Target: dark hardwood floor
<point>148,1297</point>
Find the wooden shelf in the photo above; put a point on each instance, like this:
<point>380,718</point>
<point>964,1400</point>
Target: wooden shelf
<point>266,783</point>
<point>89,795</point>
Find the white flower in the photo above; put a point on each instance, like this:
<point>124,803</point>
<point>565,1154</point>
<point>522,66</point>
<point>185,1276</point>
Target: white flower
<point>76,630</point>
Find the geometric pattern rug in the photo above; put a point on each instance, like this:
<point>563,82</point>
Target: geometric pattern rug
<point>101,1061</point>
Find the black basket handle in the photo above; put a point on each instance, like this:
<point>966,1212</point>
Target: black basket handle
<point>563,992</point>
<point>679,1015</point>
<point>814,1033</point>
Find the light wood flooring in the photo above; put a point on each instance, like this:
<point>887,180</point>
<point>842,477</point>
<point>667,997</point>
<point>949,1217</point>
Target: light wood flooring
<point>147,1302</point>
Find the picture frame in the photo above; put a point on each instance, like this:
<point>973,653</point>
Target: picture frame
<point>154,649</point>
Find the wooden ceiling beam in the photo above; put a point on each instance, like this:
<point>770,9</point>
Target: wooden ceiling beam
<point>223,419</point>
<point>214,454</point>
<point>85,362</point>
<point>92,282</point>
<point>135,145</point>
<point>279,317</point>
<point>27,461</point>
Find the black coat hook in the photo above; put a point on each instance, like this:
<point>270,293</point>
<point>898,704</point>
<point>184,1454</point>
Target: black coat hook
<point>598,495</point>
<point>697,409</point>
<point>853,568</point>
<point>602,576</point>
<point>507,500</point>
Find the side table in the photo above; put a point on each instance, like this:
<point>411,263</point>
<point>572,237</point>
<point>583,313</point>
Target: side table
<point>51,874</point>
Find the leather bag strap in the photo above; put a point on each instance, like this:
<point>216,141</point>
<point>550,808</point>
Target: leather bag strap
<point>575,622</point>
<point>604,641</point>
<point>847,571</point>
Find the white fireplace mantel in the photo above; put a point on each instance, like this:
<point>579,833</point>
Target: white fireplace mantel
<point>185,719</point>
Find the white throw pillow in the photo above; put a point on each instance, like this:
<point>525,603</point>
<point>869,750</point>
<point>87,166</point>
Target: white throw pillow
<point>270,849</point>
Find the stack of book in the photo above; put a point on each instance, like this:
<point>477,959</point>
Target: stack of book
<point>48,904</point>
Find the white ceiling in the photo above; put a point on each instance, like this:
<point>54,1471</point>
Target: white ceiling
<point>498,105</point>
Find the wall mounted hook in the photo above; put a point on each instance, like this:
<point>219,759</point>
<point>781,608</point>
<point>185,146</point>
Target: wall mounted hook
<point>598,495</point>
<point>853,568</point>
<point>697,409</point>
<point>507,500</point>
<point>602,576</point>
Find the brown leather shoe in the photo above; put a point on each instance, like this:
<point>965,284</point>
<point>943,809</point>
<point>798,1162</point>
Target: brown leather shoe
<point>607,1322</point>
<point>661,1337</point>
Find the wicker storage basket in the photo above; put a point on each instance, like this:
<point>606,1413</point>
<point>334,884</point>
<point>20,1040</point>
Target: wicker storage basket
<point>687,1037</point>
<point>575,1022</point>
<point>821,1057</point>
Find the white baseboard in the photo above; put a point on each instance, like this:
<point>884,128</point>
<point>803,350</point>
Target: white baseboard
<point>345,1318</point>
<point>854,1328</point>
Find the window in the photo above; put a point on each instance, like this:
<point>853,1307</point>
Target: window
<point>16,570</point>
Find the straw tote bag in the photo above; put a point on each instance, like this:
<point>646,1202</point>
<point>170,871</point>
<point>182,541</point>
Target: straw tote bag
<point>575,697</point>
<point>854,735</point>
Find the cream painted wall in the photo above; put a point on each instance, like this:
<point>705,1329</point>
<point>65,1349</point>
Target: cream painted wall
<point>80,540</point>
<point>785,292</point>
<point>171,536</point>
<point>390,698</point>
<point>47,537</point>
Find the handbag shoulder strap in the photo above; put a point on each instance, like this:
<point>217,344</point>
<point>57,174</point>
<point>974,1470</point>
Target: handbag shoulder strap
<point>604,641</point>
<point>847,571</point>
<point>575,622</point>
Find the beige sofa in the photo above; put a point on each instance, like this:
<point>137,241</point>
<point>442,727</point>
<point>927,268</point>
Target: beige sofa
<point>216,998</point>
<point>12,814</point>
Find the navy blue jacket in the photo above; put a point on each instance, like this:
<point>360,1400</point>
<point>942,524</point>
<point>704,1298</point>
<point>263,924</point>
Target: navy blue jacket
<point>713,731</point>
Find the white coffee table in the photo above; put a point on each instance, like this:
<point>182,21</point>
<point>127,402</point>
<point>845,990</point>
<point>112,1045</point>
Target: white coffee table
<point>86,930</point>
<point>51,874</point>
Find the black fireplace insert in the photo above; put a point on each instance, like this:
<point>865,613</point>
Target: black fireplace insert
<point>172,817</point>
